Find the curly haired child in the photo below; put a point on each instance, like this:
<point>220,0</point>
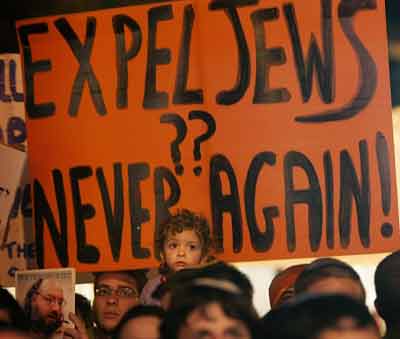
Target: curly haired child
<point>183,241</point>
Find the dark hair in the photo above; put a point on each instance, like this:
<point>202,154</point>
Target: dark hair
<point>216,270</point>
<point>189,298</point>
<point>15,312</point>
<point>309,315</point>
<point>83,310</point>
<point>387,282</point>
<point>177,279</point>
<point>185,219</point>
<point>136,312</point>
<point>29,296</point>
<point>139,275</point>
<point>324,268</point>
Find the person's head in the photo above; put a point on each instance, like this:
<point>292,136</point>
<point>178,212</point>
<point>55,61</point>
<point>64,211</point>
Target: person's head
<point>329,276</point>
<point>184,240</point>
<point>114,294</point>
<point>201,309</point>
<point>44,304</point>
<point>216,270</point>
<point>387,282</point>
<point>281,288</point>
<point>320,317</point>
<point>140,322</point>
<point>176,280</point>
<point>11,312</point>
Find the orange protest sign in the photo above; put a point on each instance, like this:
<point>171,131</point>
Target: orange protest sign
<point>272,118</point>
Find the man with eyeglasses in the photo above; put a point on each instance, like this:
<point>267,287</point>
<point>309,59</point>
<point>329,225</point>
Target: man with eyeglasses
<point>43,305</point>
<point>114,294</point>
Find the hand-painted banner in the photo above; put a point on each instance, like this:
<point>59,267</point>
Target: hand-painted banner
<point>12,165</point>
<point>17,250</point>
<point>12,168</point>
<point>273,118</point>
<point>12,111</point>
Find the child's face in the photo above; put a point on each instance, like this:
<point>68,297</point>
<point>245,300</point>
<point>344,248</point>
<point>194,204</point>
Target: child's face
<point>182,250</point>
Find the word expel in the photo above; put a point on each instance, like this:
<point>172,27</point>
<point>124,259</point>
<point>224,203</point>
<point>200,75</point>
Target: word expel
<point>126,28</point>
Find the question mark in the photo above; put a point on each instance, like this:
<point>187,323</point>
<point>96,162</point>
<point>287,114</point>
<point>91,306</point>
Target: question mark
<point>181,130</point>
<point>210,122</point>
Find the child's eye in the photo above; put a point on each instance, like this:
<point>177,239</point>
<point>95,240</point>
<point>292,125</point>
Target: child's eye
<point>172,245</point>
<point>193,247</point>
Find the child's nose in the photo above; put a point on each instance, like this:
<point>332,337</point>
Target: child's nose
<point>181,251</point>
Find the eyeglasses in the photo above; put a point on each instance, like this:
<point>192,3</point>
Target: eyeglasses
<point>120,292</point>
<point>52,300</point>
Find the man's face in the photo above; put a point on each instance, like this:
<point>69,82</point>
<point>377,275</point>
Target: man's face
<point>212,323</point>
<point>47,307</point>
<point>115,293</point>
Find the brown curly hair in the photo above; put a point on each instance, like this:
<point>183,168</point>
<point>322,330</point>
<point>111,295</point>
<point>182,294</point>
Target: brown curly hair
<point>185,219</point>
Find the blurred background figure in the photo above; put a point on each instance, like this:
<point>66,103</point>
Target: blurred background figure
<point>209,308</point>
<point>393,25</point>
<point>11,312</point>
<point>330,276</point>
<point>281,289</point>
<point>140,322</point>
<point>320,317</point>
<point>217,270</point>
<point>387,286</point>
<point>83,311</point>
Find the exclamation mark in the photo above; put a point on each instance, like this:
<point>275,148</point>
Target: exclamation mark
<point>382,154</point>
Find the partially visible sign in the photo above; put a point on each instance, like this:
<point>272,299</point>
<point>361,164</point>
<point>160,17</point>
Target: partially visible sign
<point>12,110</point>
<point>17,250</point>
<point>11,170</point>
<point>57,286</point>
<point>12,164</point>
<point>273,118</point>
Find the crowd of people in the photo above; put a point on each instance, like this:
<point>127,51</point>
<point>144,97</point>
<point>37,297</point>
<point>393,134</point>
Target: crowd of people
<point>193,295</point>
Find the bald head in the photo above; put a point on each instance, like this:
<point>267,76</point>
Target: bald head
<point>51,285</point>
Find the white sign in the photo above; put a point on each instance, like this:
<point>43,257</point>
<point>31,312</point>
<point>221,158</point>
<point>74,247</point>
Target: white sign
<point>12,164</point>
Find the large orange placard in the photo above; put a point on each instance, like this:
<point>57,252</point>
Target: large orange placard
<point>273,118</point>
